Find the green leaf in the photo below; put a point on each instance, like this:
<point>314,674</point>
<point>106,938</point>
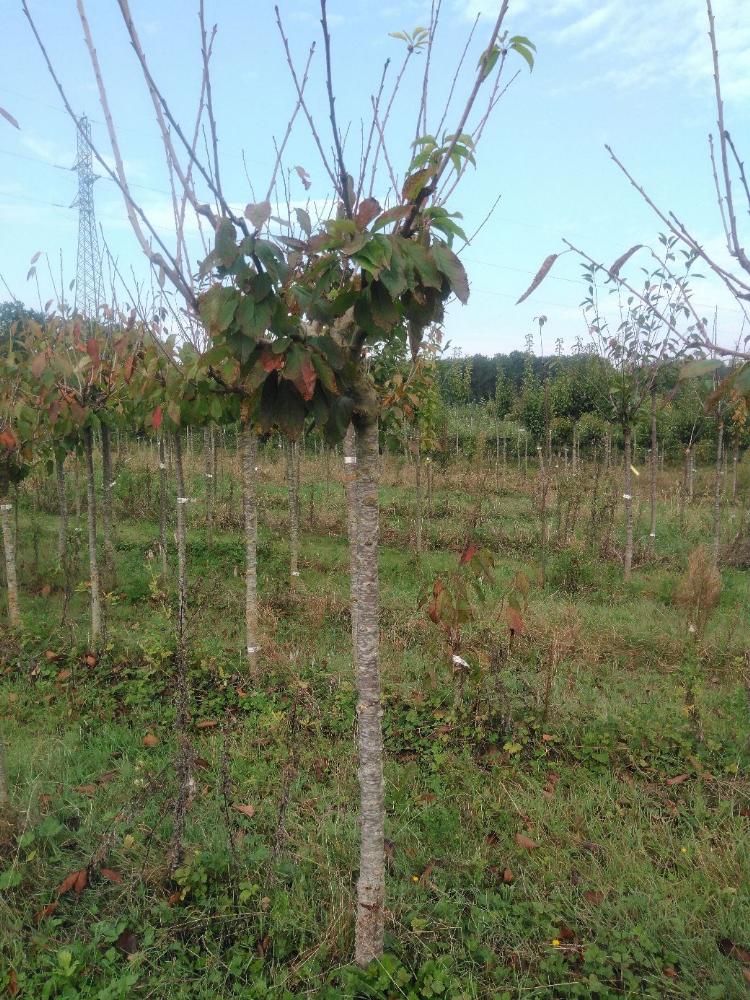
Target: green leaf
<point>450,265</point>
<point>225,247</point>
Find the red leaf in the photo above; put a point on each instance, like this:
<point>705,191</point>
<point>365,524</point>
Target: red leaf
<point>46,911</point>
<point>150,740</point>
<point>156,418</point>
<point>468,554</point>
<point>271,362</point>
<point>92,349</point>
<point>508,876</point>
<point>8,439</point>
<point>308,377</point>
<point>12,979</point>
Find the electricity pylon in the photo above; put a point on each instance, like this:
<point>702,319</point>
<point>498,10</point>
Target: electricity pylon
<point>88,291</point>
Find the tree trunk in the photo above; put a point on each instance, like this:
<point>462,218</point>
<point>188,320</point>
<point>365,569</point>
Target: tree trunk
<point>292,483</point>
<point>371,884</point>
<point>350,485</point>
<point>735,463</point>
<point>208,444</point>
<point>717,492</point>
<point>418,494</point>
<point>628,498</point>
<point>96,607</point>
<point>162,507</point>
<point>62,503</point>
<point>107,484</point>
<point>249,453</point>
<point>654,459</point>
<point>9,546</point>
<point>184,761</point>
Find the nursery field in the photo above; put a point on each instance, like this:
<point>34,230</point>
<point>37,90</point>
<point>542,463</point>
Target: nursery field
<point>567,815</point>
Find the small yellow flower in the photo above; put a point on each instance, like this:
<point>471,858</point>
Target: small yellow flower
<point>555,942</point>
<point>415,878</point>
<point>683,850</point>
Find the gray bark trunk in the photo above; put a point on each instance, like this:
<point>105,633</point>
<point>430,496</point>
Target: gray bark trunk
<point>162,507</point>
<point>62,503</point>
<point>717,492</point>
<point>350,486</point>
<point>292,482</point>
<point>628,498</point>
<point>735,463</point>
<point>249,452</point>
<point>418,495</point>
<point>9,547</point>
<point>654,460</point>
<point>371,883</point>
<point>107,484</point>
<point>96,607</point>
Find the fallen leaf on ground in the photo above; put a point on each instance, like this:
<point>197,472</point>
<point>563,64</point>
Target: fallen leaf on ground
<point>678,780</point>
<point>127,943</point>
<point>85,789</point>
<point>46,911</point>
<point>111,875</point>
<point>206,724</point>
<point>526,842</point>
<point>594,897</point>
<point>150,740</point>
<point>508,876</point>
<point>246,810</point>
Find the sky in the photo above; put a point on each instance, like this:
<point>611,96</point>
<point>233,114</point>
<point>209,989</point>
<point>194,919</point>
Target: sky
<point>632,73</point>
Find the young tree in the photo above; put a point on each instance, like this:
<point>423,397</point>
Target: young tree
<point>292,310</point>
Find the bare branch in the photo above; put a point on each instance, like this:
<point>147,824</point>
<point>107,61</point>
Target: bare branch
<point>456,74</point>
<point>343,175</point>
<point>301,97</point>
<point>290,124</point>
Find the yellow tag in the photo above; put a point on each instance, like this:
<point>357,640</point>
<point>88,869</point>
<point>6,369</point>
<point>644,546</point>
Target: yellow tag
<point>634,470</point>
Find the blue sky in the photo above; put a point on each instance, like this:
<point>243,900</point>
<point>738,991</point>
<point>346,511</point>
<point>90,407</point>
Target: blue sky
<point>634,73</point>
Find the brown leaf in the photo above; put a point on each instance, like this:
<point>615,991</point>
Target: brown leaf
<point>508,876</point>
<point>670,972</point>
<point>111,875</point>
<point>514,620</point>
<point>271,362</point>
<point>594,897</point>
<point>366,212</point>
<point>304,177</point>
<point>539,277</point>
<point>206,724</point>
<point>50,656</point>
<point>150,740</point>
<point>201,763</point>
<point>82,880</point>
<point>156,418</point>
<point>174,899</point>
<point>90,660</point>
<point>615,269</point>
<point>678,780</point>
<point>63,675</point>
<point>246,810</point>
<point>258,213</point>
<point>746,975</point>
<point>85,789</point>
<point>9,118</point>
<point>526,842</point>
<point>104,779</point>
<point>127,943</point>
<point>12,978</point>
<point>46,590</point>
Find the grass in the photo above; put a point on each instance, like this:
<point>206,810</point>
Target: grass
<point>527,856</point>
